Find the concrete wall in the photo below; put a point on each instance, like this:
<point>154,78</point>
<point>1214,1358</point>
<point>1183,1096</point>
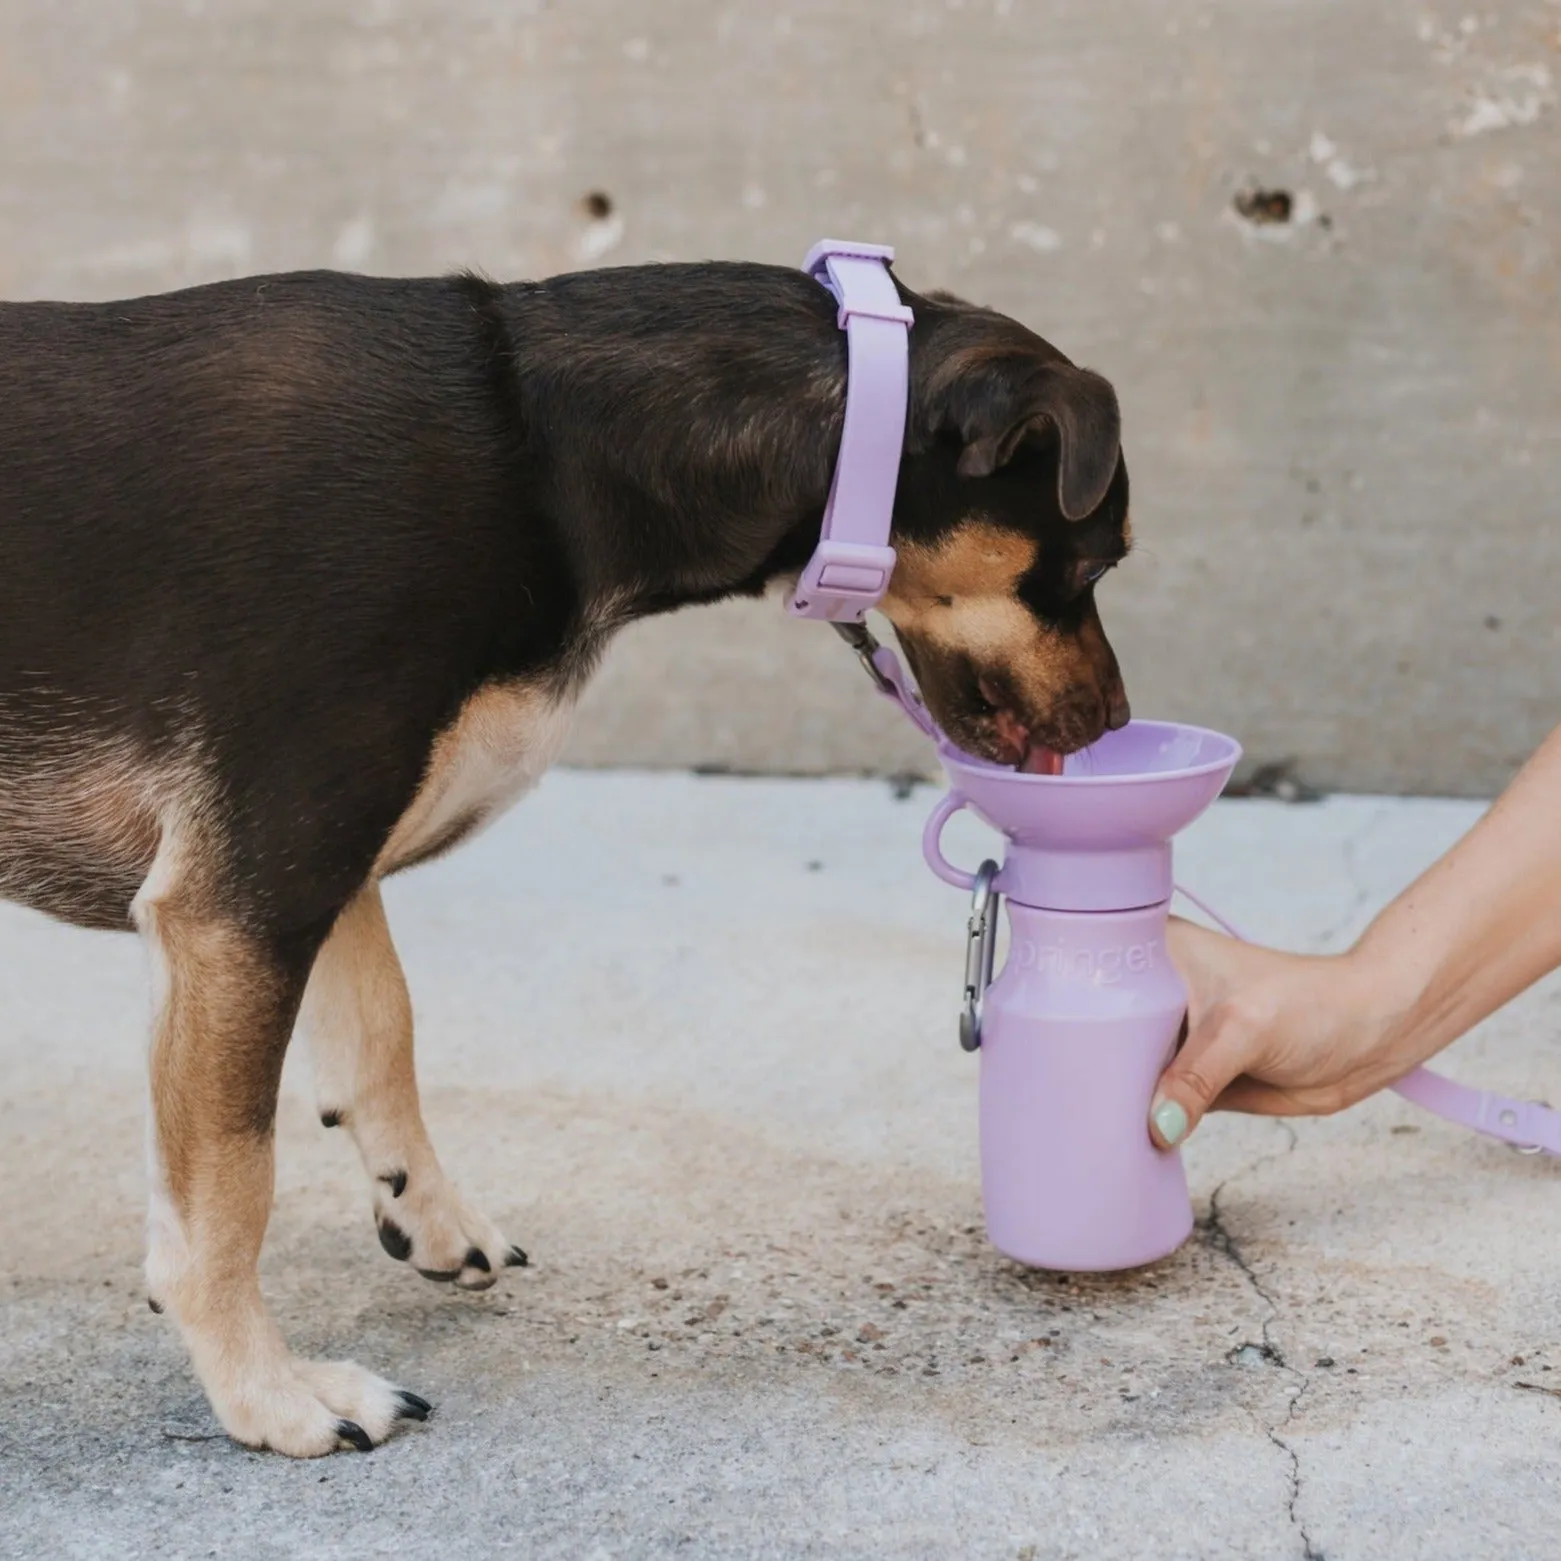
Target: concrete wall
<point>1344,428</point>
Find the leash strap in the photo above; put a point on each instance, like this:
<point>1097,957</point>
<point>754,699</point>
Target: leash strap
<point>1530,1126</point>
<point>850,568</point>
<point>884,668</point>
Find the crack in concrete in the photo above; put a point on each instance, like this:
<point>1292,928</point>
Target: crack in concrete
<point>1219,1239</point>
<point>1222,1241</point>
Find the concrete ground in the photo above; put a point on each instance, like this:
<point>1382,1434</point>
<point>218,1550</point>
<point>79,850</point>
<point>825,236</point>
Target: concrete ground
<point>691,1042</point>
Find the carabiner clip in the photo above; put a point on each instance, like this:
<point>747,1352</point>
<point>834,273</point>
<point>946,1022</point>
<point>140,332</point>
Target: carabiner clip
<point>980,948</point>
<point>860,638</point>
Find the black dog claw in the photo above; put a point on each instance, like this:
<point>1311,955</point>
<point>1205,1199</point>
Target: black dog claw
<point>515,1258</point>
<point>351,1431</point>
<point>411,1406</point>
<point>477,1258</point>
<point>395,1240</point>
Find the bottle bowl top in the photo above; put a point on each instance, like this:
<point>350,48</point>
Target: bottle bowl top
<point>1136,786</point>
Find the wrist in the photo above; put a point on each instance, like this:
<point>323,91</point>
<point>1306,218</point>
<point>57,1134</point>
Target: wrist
<point>1386,995</point>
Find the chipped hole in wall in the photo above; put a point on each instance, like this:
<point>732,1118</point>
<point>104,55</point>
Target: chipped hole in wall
<point>603,230</point>
<point>1264,206</point>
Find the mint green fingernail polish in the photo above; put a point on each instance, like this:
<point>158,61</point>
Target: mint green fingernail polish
<point>1170,1122</point>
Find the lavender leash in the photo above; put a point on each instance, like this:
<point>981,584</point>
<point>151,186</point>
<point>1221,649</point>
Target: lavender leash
<point>1530,1126</point>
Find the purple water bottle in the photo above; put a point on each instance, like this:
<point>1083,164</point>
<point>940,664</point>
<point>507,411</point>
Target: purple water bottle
<point>1075,1030</point>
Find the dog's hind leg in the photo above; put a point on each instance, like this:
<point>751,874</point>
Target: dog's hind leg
<point>228,993</point>
<point>358,1020</point>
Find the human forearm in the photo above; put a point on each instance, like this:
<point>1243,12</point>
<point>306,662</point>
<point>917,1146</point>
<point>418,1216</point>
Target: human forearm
<point>1287,1034</point>
<point>1479,926</point>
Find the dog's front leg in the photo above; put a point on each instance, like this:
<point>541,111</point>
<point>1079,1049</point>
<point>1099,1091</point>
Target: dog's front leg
<point>358,1019</point>
<point>228,994</point>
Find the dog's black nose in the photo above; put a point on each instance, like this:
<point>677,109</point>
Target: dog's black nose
<point>1118,712</point>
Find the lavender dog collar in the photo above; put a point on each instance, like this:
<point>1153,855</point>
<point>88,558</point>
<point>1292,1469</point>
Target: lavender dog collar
<point>850,568</point>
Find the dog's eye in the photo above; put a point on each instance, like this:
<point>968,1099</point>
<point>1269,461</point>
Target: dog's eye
<point>1092,573</point>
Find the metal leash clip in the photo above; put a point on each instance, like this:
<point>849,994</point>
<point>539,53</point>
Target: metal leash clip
<point>980,947</point>
<point>860,638</point>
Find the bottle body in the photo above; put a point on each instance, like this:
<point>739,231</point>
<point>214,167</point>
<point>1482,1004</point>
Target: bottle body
<point>1075,1032</point>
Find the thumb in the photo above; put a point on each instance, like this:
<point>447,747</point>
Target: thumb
<point>1212,1053</point>
<point>1196,1078</point>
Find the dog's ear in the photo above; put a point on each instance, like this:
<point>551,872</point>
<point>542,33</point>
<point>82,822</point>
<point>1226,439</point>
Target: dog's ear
<point>996,406</point>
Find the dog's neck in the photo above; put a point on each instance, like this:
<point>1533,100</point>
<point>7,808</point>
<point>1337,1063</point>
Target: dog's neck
<point>687,420</point>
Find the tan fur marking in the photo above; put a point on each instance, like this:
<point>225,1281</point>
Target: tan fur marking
<point>358,1017</point>
<point>961,596</point>
<point>957,611</point>
<point>497,749</point>
<point>79,824</point>
<point>217,1043</point>
<point>977,560</point>
<point>223,1019</point>
<point>358,1020</point>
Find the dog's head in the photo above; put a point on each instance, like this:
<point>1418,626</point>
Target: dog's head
<point>1013,502</point>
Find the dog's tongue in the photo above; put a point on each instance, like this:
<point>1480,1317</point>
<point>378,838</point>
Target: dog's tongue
<point>1040,761</point>
<point>1037,760</point>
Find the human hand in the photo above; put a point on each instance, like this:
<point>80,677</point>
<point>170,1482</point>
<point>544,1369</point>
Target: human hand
<point>1275,1034</point>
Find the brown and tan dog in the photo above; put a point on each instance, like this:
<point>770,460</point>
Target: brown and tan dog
<point>299,579</point>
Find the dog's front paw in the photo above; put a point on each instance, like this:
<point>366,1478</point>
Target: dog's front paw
<point>424,1221</point>
<point>307,1408</point>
